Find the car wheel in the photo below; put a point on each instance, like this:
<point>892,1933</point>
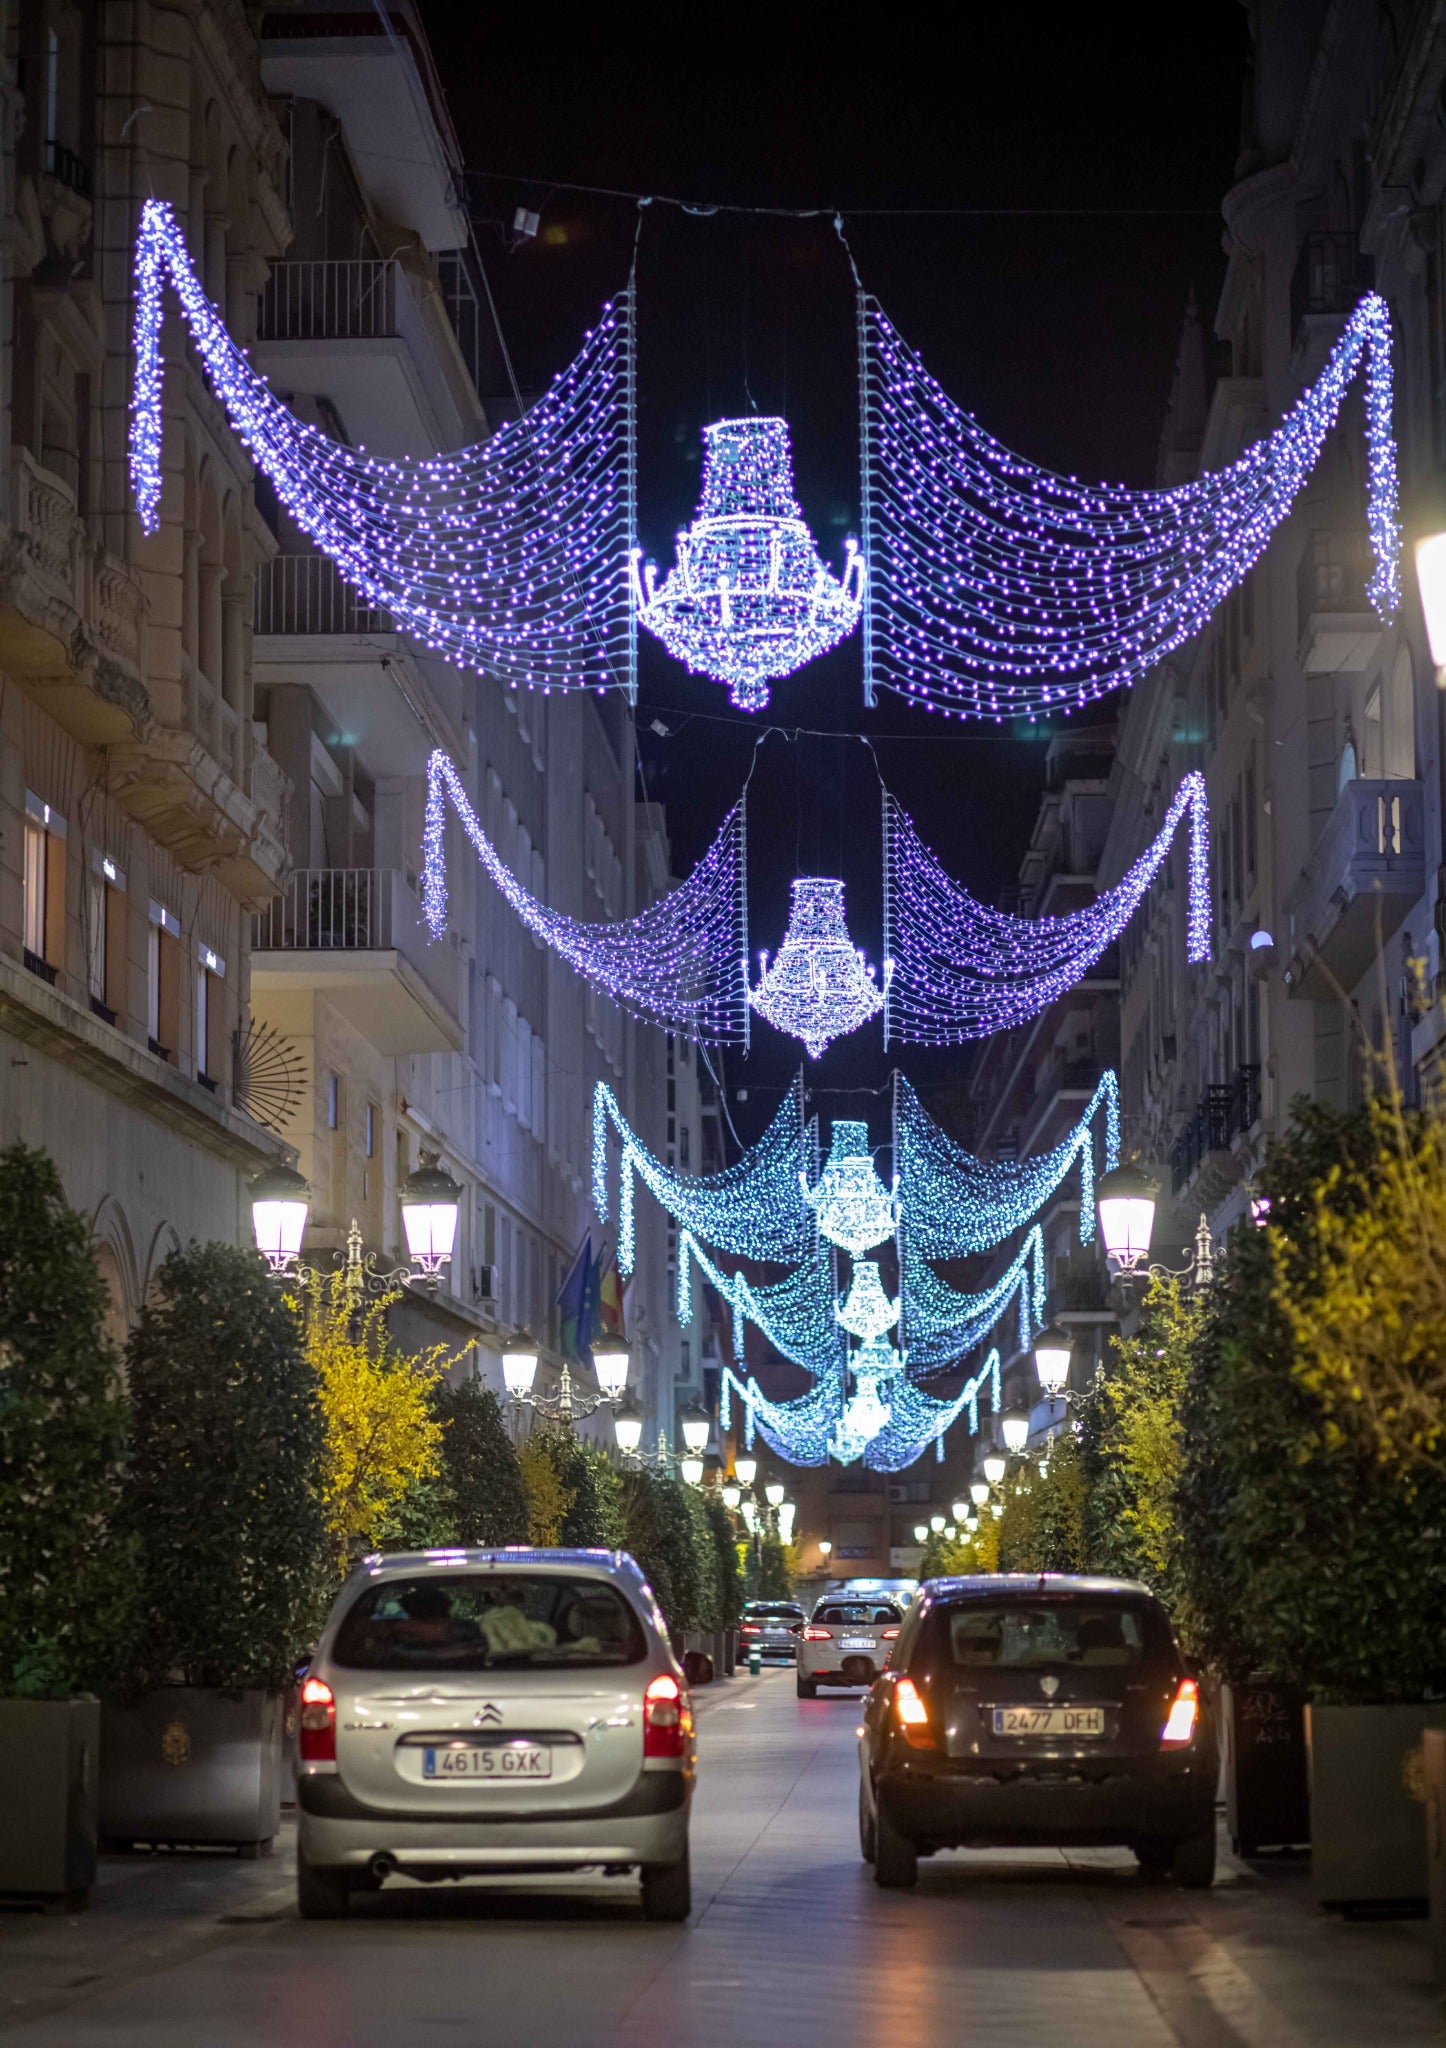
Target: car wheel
<point>1193,1864</point>
<point>668,1890</point>
<point>1155,1858</point>
<point>896,1859</point>
<point>807,1687</point>
<point>320,1894</point>
<point>868,1834</point>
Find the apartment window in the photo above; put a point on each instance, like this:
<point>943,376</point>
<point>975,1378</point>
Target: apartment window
<point>44,907</point>
<point>333,1102</point>
<point>210,1013</point>
<point>684,1147</point>
<point>371,1130</point>
<point>163,981</point>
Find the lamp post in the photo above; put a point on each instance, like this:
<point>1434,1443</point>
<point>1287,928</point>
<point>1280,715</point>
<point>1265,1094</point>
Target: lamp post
<point>1053,1349</point>
<point>429,1200</point>
<point>1126,1198</point>
<point>1014,1428</point>
<point>569,1403</point>
<point>280,1199</point>
<point>994,1468</point>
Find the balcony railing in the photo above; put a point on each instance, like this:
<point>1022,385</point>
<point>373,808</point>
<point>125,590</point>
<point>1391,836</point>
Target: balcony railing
<point>1365,871</point>
<point>1330,275</point>
<point>349,300</point>
<point>308,594</point>
<point>1225,1111</point>
<point>69,169</point>
<point>357,911</point>
<point>1332,575</point>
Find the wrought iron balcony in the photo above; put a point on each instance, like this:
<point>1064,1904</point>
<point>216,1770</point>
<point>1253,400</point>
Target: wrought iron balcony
<point>1367,869</point>
<point>1337,625</point>
<point>1329,277</point>
<point>1225,1112</point>
<point>70,170</point>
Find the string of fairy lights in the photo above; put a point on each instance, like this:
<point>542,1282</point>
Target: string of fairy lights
<point>983,587</point>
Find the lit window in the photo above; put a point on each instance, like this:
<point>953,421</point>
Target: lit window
<point>333,1101</point>
<point>163,981</point>
<point>44,905</point>
<point>371,1130</point>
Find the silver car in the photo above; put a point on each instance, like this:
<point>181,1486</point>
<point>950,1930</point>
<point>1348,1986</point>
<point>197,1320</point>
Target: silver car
<point>480,1712</point>
<point>846,1643</point>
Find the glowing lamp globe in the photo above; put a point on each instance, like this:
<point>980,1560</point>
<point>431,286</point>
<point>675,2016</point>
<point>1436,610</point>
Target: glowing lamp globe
<point>749,598</point>
<point>961,1510</point>
<point>519,1370</point>
<point>1014,1428</point>
<point>1431,582</point>
<point>825,1547</point>
<point>979,1493</point>
<point>936,1523</point>
<point>745,1470</point>
<point>996,1508</point>
<point>921,1532</point>
<point>610,1362</point>
<point>1125,1197</point>
<point>1052,1352</point>
<point>692,1470</point>
<point>732,1493</point>
<point>430,1199</point>
<point>786,1513</point>
<point>994,1468</point>
<point>280,1200</point>
<point>773,1493</point>
<point>749,1511</point>
<point>696,1427</point>
<point>628,1428</point>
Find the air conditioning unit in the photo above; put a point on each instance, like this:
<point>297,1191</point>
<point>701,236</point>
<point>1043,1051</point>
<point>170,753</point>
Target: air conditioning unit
<point>897,1490</point>
<point>484,1284</point>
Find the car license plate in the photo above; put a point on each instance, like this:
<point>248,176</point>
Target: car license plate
<point>1049,1720</point>
<point>857,1643</point>
<point>513,1761</point>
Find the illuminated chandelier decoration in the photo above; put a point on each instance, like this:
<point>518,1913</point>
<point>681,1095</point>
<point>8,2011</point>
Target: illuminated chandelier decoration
<point>867,1312</point>
<point>754,1207</point>
<point>961,971</point>
<point>916,1419</point>
<point>853,1207</point>
<point>819,987</point>
<point>749,599</point>
<point>795,1314</point>
<point>681,962</point>
<point>511,555</point>
<point>998,589</point>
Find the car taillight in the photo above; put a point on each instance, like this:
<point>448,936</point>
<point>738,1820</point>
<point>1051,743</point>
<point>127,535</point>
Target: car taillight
<point>889,1634</point>
<point>666,1717</point>
<point>1184,1712</point>
<point>817,1635</point>
<point>317,1733</point>
<point>749,1628</point>
<point>913,1716</point>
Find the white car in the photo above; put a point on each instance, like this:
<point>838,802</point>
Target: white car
<point>474,1712</point>
<point>846,1643</point>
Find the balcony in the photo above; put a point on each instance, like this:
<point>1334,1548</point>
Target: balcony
<point>72,617</point>
<point>1338,628</point>
<point>357,936</point>
<point>308,594</point>
<point>1330,276</point>
<point>1367,869</point>
<point>1202,1158</point>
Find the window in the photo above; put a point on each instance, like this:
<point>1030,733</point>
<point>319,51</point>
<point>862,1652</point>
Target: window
<point>44,883</point>
<point>97,913</point>
<point>371,1131</point>
<point>684,1147</point>
<point>210,972</point>
<point>461,1621</point>
<point>163,981</point>
<point>333,1102</point>
<point>1051,1632</point>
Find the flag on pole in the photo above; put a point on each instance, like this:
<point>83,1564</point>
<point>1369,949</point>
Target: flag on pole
<point>576,1298</point>
<point>612,1321</point>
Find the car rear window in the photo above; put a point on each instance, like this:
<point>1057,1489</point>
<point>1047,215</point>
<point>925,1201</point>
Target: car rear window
<point>858,1614</point>
<point>1033,1632</point>
<point>757,1612</point>
<point>488,1622</point>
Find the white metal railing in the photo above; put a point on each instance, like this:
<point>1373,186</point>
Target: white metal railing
<point>357,910</point>
<point>349,300</point>
<point>308,594</point>
<point>270,790</point>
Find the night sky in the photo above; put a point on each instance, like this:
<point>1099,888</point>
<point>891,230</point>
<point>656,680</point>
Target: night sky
<point>1060,333</point>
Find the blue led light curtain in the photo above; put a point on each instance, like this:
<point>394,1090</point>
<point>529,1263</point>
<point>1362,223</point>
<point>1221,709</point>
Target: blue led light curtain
<point>941,1324</point>
<point>963,971</point>
<point>795,1314</point>
<point>511,555</point>
<point>997,589</point>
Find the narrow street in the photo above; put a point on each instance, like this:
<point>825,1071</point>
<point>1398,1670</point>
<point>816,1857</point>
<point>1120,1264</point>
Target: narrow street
<point>790,1942</point>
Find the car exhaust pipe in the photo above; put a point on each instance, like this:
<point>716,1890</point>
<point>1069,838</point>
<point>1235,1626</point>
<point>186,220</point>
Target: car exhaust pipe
<point>383,1865</point>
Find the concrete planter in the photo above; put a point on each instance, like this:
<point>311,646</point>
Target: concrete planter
<point>1368,1803</point>
<point>1267,1785</point>
<point>185,1764</point>
<point>49,1770</point>
<point>1433,1745</point>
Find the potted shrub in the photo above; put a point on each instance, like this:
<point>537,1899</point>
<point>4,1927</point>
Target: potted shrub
<point>1314,1494</point>
<point>63,1573</point>
<point>223,1498</point>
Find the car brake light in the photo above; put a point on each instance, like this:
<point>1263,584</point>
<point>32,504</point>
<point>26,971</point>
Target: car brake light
<point>889,1634</point>
<point>913,1715</point>
<point>666,1717</point>
<point>317,1728</point>
<point>1180,1727</point>
<point>749,1628</point>
<point>817,1635</point>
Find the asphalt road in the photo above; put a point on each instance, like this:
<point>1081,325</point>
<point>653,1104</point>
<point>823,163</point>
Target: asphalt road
<point>790,1942</point>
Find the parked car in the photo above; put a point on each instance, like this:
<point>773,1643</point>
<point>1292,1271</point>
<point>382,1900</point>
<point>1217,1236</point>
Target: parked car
<point>1029,1710</point>
<point>472,1712</point>
<point>846,1643</point>
<point>772,1627</point>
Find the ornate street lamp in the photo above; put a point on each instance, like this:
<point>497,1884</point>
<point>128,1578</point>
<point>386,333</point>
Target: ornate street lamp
<point>697,1426</point>
<point>280,1200</point>
<point>1014,1428</point>
<point>1125,1197</point>
<point>610,1363</point>
<point>732,1494</point>
<point>786,1510</point>
<point>979,1492</point>
<point>961,1509</point>
<point>691,1468</point>
<point>921,1532</point>
<point>745,1470</point>
<point>773,1493</point>
<point>1053,1348</point>
<point>936,1523</point>
<point>825,1548</point>
<point>628,1427</point>
<point>567,1403</point>
<point>994,1468</point>
<point>430,1200</point>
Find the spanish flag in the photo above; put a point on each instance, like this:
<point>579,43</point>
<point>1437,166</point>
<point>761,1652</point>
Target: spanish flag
<point>610,1317</point>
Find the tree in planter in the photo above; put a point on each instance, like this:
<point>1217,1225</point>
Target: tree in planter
<point>659,1534</point>
<point>481,1479</point>
<point>224,1490</point>
<point>381,1436</point>
<point>549,1497</point>
<point>1042,1526</point>
<point>722,1578</point>
<point>65,1578</point>
<point>1304,1554</point>
<point>768,1573</point>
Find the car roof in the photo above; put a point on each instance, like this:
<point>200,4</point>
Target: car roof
<point>392,1563</point>
<point>991,1584</point>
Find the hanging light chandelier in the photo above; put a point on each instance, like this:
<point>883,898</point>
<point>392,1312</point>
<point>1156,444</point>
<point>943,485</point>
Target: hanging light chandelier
<point>749,598</point>
<point>853,1207</point>
<point>867,1312</point>
<point>820,987</point>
